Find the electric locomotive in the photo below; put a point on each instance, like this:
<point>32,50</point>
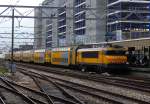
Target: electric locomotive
<point>80,57</point>
<point>102,58</point>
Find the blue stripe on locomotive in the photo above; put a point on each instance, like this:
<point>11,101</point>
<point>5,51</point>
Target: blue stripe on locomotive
<point>65,56</point>
<point>42,57</point>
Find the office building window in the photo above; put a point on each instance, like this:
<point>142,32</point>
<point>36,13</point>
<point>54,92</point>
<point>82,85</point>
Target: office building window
<point>80,32</point>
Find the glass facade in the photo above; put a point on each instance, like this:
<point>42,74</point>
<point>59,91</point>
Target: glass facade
<point>76,30</point>
<point>49,33</point>
<point>128,19</point>
<point>79,17</point>
<point>62,25</point>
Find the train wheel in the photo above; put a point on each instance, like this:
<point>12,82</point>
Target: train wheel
<point>100,69</point>
<point>83,68</point>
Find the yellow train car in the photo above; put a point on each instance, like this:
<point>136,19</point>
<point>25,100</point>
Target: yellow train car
<point>8,56</point>
<point>61,56</point>
<point>27,56</point>
<point>48,56</point>
<point>17,56</point>
<point>39,56</point>
<point>101,58</point>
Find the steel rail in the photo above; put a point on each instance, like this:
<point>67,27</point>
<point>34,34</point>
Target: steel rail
<point>113,94</point>
<point>40,102</point>
<point>31,90</point>
<point>47,69</point>
<point>30,101</point>
<point>49,96</point>
<point>115,102</point>
<point>110,93</point>
<point>135,85</point>
<point>129,98</point>
<point>37,83</point>
<point>64,91</point>
<point>39,92</point>
<point>99,96</point>
<point>2,101</point>
<point>16,92</point>
<point>97,77</point>
<point>36,100</point>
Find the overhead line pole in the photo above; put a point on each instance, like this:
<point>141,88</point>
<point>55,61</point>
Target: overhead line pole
<point>12,47</point>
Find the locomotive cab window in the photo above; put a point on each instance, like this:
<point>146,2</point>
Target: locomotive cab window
<point>90,54</point>
<point>115,52</point>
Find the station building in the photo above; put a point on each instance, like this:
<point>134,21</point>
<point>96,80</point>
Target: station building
<point>71,25</point>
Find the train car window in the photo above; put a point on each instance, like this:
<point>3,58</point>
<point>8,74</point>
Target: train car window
<point>131,49</point>
<point>90,54</point>
<point>65,60</point>
<point>115,52</point>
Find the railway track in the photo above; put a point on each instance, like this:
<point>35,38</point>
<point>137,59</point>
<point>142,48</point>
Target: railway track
<point>53,88</point>
<point>101,94</point>
<point>140,85</point>
<point>28,95</point>
<point>27,98</point>
<point>31,96</point>
<point>2,101</point>
<point>16,93</point>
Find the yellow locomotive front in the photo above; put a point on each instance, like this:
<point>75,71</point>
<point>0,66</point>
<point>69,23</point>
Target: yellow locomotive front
<point>102,58</point>
<point>115,58</point>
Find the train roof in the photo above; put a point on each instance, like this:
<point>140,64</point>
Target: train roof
<point>18,51</point>
<point>27,51</point>
<point>90,49</point>
<point>62,49</point>
<point>101,48</point>
<point>40,50</point>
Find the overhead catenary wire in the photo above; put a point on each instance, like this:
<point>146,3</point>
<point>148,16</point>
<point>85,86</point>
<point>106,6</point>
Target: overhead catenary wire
<point>25,15</point>
<point>35,17</point>
<point>18,38</point>
<point>10,10</point>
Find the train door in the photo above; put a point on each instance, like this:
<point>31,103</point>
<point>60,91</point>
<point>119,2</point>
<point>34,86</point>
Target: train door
<point>131,55</point>
<point>149,51</point>
<point>149,55</point>
<point>73,55</point>
<point>146,55</point>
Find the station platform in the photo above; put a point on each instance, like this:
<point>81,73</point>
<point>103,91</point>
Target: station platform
<point>140,69</point>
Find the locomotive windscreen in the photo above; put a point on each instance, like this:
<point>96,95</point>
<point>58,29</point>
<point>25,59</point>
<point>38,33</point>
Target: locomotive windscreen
<point>115,52</point>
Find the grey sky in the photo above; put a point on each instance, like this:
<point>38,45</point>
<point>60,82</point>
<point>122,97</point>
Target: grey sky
<point>20,2</point>
<point>5,22</point>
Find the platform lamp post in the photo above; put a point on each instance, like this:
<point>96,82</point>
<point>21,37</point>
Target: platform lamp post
<point>12,45</point>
